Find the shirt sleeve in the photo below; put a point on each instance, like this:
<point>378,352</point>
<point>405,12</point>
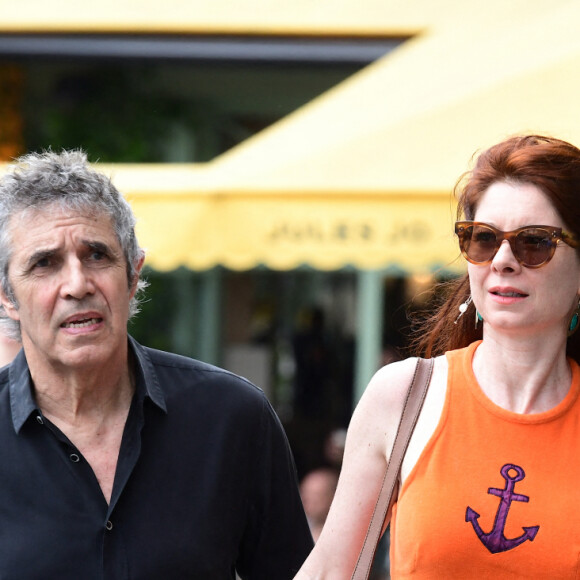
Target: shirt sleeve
<point>277,538</point>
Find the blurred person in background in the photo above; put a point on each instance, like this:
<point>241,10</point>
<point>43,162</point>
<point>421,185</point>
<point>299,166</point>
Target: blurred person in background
<point>120,461</point>
<point>8,349</point>
<point>317,491</point>
<point>489,483</point>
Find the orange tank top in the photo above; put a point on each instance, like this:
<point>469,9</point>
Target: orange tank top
<point>494,494</point>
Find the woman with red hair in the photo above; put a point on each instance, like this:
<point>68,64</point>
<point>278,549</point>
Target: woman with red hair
<point>489,483</point>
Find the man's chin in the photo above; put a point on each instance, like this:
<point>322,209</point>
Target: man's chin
<point>89,355</point>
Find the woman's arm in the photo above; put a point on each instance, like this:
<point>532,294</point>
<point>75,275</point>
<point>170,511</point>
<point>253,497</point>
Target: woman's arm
<point>369,441</point>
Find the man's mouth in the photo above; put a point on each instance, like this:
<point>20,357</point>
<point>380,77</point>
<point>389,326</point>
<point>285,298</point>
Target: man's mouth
<point>81,323</point>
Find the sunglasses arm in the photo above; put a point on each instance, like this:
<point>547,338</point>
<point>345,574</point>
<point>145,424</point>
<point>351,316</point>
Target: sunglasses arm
<point>570,239</point>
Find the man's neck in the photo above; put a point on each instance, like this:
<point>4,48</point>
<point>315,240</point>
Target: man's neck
<point>79,394</point>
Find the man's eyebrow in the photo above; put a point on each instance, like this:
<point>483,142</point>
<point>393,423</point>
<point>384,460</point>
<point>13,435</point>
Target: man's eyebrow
<point>99,246</point>
<point>40,255</point>
<point>103,248</point>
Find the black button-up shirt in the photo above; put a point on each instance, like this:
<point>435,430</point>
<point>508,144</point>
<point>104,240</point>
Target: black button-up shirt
<point>205,484</point>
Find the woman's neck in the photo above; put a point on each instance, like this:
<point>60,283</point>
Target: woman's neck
<point>528,375</point>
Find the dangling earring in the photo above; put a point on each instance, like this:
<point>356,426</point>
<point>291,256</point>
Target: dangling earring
<point>478,318</point>
<point>573,326</point>
<point>463,308</point>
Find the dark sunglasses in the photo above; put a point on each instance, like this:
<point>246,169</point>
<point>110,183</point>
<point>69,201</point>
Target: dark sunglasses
<point>532,246</point>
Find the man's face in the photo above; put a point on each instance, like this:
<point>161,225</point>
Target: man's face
<point>69,279</point>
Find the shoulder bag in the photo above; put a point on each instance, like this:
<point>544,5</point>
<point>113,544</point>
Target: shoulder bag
<point>413,403</point>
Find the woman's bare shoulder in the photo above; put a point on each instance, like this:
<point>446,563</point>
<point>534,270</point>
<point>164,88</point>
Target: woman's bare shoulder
<point>390,383</point>
<point>377,414</point>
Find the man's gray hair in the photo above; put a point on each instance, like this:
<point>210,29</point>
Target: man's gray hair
<point>63,181</point>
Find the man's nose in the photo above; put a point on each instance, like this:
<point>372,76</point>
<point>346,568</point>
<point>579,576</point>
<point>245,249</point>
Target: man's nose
<point>77,280</point>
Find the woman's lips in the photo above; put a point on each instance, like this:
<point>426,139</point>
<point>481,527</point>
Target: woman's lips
<point>507,295</point>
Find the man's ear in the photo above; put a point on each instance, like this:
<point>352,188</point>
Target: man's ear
<point>135,280</point>
<point>8,305</point>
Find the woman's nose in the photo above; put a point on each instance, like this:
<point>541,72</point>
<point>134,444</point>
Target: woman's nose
<point>505,259</point>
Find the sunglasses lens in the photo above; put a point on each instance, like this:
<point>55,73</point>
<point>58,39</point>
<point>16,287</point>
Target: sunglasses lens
<point>534,246</point>
<point>479,243</point>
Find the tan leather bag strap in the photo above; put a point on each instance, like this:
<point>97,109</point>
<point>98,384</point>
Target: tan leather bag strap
<point>411,410</point>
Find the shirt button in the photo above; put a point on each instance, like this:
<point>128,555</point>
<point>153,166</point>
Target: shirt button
<point>74,458</point>
<point>39,419</point>
<point>109,525</point>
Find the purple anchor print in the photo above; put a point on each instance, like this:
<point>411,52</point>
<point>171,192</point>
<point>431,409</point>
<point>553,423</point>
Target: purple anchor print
<point>495,541</point>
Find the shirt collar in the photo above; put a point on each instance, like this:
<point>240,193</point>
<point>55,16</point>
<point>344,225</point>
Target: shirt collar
<point>22,403</point>
<point>147,382</point>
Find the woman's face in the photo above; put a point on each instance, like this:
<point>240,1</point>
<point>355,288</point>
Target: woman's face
<point>510,297</point>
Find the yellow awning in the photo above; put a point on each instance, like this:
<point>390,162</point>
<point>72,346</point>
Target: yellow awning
<point>261,17</point>
<point>283,231</point>
<point>185,218</point>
